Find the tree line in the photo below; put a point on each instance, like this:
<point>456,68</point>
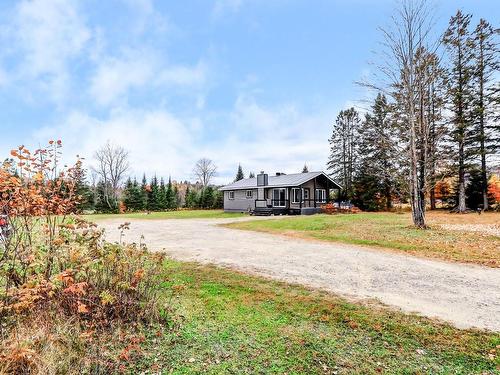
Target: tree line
<point>103,187</point>
<point>432,131</point>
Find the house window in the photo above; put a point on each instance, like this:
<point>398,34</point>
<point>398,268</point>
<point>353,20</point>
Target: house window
<point>321,195</point>
<point>279,197</point>
<point>249,194</point>
<point>231,194</point>
<point>296,195</point>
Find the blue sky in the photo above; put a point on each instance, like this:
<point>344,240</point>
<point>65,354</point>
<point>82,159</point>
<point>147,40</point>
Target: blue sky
<point>256,82</point>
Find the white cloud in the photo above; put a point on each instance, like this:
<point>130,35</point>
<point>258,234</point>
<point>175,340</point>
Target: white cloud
<point>222,7</point>
<point>134,69</point>
<point>49,33</point>
<point>272,139</point>
<point>157,141</point>
<point>115,76</point>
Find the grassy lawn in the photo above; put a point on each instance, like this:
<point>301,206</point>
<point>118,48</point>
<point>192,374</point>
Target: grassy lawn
<point>234,323</point>
<point>395,232</point>
<point>181,214</point>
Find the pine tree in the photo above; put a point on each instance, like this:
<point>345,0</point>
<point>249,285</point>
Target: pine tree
<point>170,197</point>
<point>162,193</point>
<point>207,197</point>
<point>458,42</point>
<point>128,195</point>
<point>144,193</point>
<point>305,169</point>
<point>342,158</point>
<point>251,175</point>
<point>239,174</point>
<point>154,198</point>
<point>375,183</point>
<point>486,64</point>
<point>177,198</point>
<point>83,190</point>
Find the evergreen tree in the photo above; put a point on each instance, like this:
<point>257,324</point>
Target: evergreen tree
<point>170,198</point>
<point>207,197</point>
<point>83,191</point>
<point>103,204</point>
<point>163,197</point>
<point>305,169</point>
<point>154,198</point>
<point>218,199</point>
<point>486,63</point>
<point>128,195</point>
<point>343,151</point>
<point>144,193</point>
<point>191,199</point>
<point>251,175</point>
<point>458,42</point>
<point>177,197</point>
<point>377,168</point>
<point>239,174</point>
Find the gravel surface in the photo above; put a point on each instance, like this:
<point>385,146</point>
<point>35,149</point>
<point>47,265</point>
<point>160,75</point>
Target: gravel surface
<point>465,295</point>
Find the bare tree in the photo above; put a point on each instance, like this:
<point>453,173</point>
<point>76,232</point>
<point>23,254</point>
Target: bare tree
<point>112,165</point>
<point>204,170</point>
<point>403,73</point>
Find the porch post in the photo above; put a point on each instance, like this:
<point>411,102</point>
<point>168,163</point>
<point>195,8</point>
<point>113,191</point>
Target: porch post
<point>300,200</point>
<point>327,190</point>
<point>314,192</point>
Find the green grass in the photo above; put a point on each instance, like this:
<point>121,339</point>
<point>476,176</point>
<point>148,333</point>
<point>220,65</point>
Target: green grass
<point>390,231</point>
<point>181,214</point>
<point>227,322</point>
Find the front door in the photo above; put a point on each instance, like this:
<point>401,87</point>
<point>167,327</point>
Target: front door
<point>279,197</point>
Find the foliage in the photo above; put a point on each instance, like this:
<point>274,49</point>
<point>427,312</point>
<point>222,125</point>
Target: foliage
<point>36,198</point>
<point>343,150</point>
<point>55,267</point>
<point>239,174</point>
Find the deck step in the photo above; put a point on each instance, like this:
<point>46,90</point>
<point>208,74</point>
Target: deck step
<point>263,212</point>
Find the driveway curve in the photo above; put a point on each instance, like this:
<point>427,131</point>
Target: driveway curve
<point>464,295</point>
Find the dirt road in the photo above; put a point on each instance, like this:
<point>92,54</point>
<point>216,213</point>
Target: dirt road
<point>465,295</point>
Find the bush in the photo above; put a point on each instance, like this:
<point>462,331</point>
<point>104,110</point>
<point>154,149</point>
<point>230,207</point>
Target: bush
<point>64,292</point>
<point>100,287</point>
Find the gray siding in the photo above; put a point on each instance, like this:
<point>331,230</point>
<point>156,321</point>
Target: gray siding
<point>240,203</point>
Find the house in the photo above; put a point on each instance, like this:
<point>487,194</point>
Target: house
<point>298,193</point>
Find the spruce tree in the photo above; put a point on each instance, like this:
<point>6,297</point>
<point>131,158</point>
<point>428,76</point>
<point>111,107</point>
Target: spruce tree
<point>162,194</point>
<point>343,152</point>
<point>170,198</point>
<point>375,183</point>
<point>239,174</point>
<point>144,193</point>
<point>458,43</point>
<point>128,195</point>
<point>305,169</point>
<point>251,175</point>
<point>154,198</point>
<point>486,63</point>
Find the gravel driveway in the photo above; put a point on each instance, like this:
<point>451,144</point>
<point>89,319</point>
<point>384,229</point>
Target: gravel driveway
<point>465,295</point>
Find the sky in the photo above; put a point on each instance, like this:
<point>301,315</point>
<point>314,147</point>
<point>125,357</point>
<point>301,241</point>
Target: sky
<point>253,82</point>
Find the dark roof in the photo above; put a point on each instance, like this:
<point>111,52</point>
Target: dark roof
<point>283,180</point>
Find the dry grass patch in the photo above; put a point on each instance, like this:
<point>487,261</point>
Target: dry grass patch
<point>473,242</point>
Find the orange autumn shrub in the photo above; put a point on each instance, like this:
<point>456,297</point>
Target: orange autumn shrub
<point>58,276</point>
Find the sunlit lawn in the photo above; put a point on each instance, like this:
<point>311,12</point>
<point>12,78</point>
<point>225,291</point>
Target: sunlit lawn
<point>180,214</point>
<point>233,323</point>
<point>394,231</point>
